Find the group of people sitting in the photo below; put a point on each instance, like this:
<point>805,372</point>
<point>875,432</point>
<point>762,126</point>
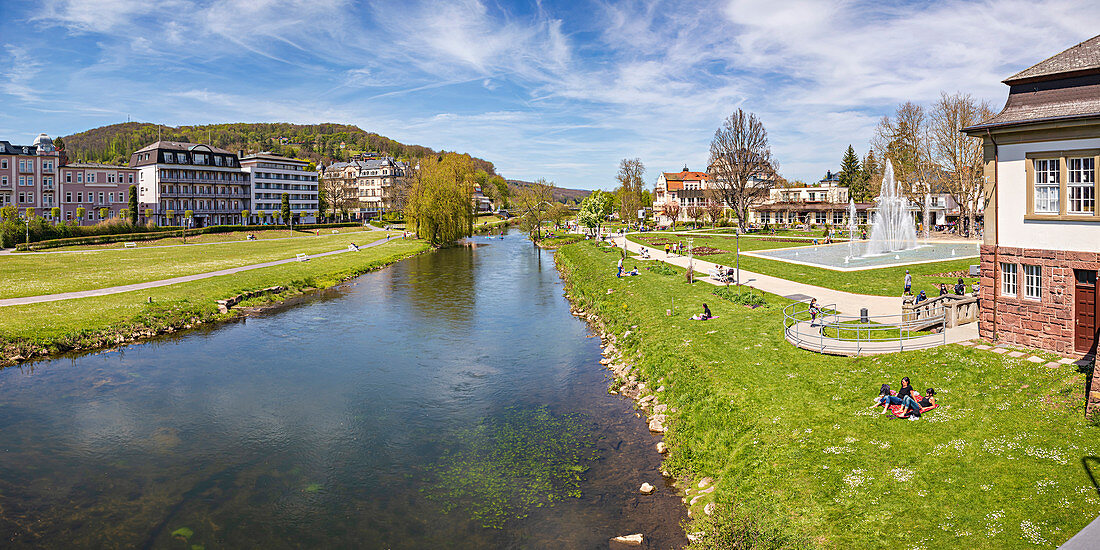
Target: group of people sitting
<point>251,237</point>
<point>905,403</point>
<point>723,274</point>
<point>622,274</point>
<point>960,288</point>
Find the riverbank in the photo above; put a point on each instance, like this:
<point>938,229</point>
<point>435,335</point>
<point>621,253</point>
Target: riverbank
<point>797,458</point>
<point>43,329</point>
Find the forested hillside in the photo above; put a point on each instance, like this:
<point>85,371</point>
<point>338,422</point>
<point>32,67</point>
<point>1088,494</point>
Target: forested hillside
<point>560,194</point>
<point>317,142</point>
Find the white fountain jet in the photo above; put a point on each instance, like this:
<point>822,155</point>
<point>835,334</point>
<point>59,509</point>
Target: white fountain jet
<point>852,228</point>
<point>893,228</point>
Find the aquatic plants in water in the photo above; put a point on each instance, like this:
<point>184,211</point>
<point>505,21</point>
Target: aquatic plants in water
<point>512,462</point>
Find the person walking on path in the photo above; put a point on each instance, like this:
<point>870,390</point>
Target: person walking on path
<point>908,283</point>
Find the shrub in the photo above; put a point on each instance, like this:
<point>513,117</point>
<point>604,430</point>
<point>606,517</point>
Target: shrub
<point>661,268</point>
<point>149,233</point>
<point>744,296</point>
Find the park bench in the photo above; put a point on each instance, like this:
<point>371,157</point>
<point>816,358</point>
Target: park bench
<point>130,245</point>
<point>302,257</point>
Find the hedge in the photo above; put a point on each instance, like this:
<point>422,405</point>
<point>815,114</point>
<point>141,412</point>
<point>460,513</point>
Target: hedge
<point>151,236</point>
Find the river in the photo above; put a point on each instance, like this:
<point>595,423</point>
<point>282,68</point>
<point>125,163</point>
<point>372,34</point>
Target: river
<point>449,400</point>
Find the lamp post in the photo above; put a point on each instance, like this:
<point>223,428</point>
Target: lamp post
<point>737,232</point>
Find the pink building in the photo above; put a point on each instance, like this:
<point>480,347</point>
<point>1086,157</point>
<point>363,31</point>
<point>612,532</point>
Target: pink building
<point>95,186</point>
<point>28,175</point>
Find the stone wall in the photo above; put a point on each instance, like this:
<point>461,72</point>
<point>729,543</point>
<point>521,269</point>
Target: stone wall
<point>1046,324</point>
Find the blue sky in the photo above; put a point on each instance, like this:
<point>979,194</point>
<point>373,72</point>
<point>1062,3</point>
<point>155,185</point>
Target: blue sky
<point>561,90</point>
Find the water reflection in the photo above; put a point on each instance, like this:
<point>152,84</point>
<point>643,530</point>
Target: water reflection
<point>319,425</point>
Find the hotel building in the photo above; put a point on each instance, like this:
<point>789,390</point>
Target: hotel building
<point>1041,249</point>
<point>273,175</point>
<point>94,187</point>
<point>28,175</point>
<point>176,177</point>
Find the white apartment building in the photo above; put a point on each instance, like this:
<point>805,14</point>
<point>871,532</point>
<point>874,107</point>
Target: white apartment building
<point>273,175</point>
<point>175,177</point>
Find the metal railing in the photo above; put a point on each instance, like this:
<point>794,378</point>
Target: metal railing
<point>836,332</point>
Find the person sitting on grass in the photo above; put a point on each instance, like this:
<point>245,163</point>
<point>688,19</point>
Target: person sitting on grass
<point>883,393</point>
<point>914,408</point>
<point>905,391</point>
<point>704,315</point>
<point>632,272</point>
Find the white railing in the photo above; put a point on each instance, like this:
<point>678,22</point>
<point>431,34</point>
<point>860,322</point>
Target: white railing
<point>832,331</point>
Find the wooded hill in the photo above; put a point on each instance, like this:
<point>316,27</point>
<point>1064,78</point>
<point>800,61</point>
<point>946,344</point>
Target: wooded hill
<point>560,194</point>
<point>325,143</point>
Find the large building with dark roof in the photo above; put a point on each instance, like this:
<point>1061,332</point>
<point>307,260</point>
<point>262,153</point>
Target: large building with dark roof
<point>176,177</point>
<point>1041,251</point>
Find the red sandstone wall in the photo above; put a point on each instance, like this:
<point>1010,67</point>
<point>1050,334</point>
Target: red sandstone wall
<point>1046,324</point>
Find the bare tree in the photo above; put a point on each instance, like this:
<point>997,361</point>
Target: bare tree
<point>714,208</point>
<point>906,141</point>
<point>741,166</point>
<point>671,209</point>
<point>958,155</point>
<point>696,213</point>
<point>339,195</point>
<point>535,204</point>
<point>631,182</point>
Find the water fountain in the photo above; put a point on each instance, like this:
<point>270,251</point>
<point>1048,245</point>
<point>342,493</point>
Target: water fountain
<point>893,228</point>
<point>852,228</point>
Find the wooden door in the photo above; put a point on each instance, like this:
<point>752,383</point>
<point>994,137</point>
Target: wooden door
<point>1085,310</point>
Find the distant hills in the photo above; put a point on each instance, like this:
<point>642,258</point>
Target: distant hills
<point>560,194</point>
<point>317,142</point>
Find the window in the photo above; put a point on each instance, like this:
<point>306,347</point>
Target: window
<point>111,197</point>
<point>100,197</point>
<point>68,177</point>
<point>130,178</point>
<point>4,164</point>
<point>68,196</point>
<point>68,215</point>
<point>1008,279</point>
<point>4,181</point>
<point>110,178</point>
<point>1046,186</point>
<point>1082,186</point>
<point>80,197</point>
<point>91,177</point>
<point>1033,282</point>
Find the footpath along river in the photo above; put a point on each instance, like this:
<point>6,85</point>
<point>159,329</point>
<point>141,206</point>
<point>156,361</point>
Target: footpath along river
<point>448,401</point>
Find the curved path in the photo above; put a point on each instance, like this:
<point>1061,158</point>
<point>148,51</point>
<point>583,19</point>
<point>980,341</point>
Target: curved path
<point>846,302</point>
<point>174,280</point>
<point>809,337</point>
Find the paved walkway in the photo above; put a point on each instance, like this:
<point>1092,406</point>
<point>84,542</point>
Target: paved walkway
<point>174,280</point>
<point>810,337</point>
<point>845,302</point>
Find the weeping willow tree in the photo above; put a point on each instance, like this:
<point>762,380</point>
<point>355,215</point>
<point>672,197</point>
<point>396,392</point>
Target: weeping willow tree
<point>438,197</point>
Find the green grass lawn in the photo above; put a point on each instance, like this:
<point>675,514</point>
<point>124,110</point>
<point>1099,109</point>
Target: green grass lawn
<point>71,320</point>
<point>800,459</point>
<point>233,236</point>
<point>36,274</point>
<point>886,281</point>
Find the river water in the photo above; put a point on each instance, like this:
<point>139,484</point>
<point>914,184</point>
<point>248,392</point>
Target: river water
<point>385,413</point>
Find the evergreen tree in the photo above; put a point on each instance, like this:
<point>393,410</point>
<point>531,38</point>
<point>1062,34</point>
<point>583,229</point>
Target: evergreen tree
<point>59,143</point>
<point>868,173</point>
<point>285,208</point>
<point>850,172</point>
<point>133,206</point>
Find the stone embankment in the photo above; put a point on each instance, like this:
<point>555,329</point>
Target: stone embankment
<point>629,381</point>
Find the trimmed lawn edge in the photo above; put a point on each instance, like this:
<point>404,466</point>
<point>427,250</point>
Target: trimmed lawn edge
<point>176,316</point>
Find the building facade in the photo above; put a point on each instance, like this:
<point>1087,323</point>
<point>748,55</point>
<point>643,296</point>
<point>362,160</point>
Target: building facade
<point>685,188</point>
<point>175,177</point>
<point>370,183</point>
<point>1041,249</point>
<point>271,176</point>
<point>95,187</point>
<point>29,175</point>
